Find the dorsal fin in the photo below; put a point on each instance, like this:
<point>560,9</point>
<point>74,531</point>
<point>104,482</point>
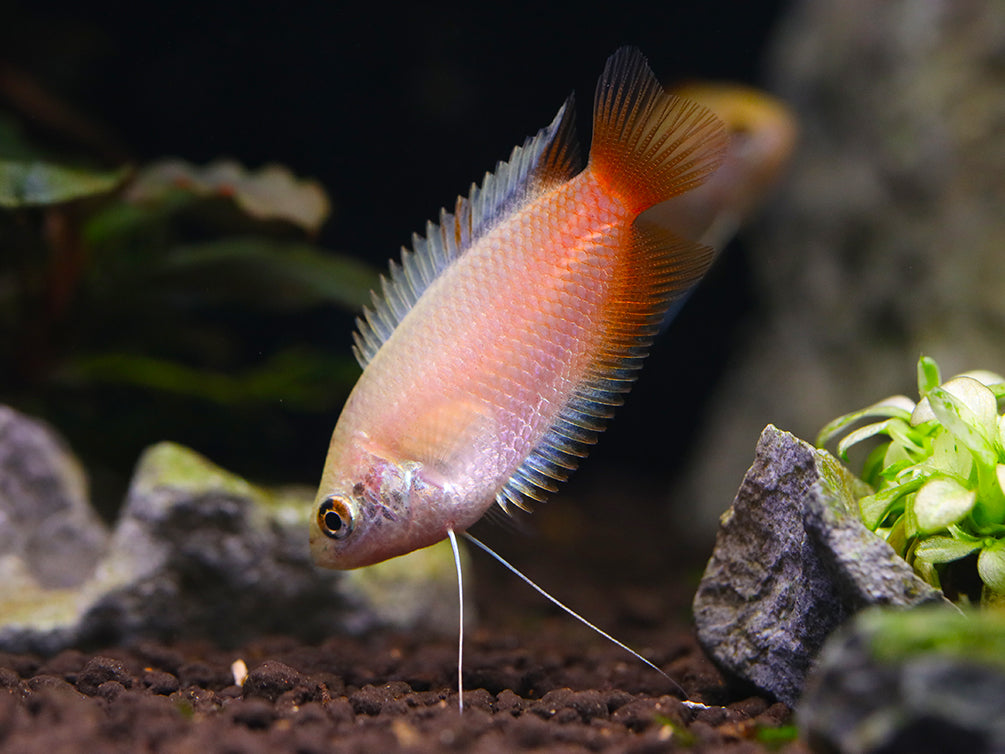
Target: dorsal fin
<point>545,160</point>
<point>661,268</point>
<point>648,145</point>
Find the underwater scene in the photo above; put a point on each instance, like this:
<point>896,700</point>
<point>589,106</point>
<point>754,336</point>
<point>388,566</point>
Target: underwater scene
<point>502,377</point>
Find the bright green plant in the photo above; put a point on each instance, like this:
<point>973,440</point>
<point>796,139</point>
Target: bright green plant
<point>939,478</point>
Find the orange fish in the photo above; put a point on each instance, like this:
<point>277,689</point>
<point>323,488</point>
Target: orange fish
<point>505,338</point>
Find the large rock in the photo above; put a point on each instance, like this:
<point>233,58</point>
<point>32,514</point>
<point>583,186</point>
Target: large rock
<point>48,530</point>
<point>885,242</point>
<point>792,562</point>
<point>926,680</point>
<point>197,551</point>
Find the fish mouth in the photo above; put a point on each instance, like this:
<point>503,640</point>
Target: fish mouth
<point>322,551</point>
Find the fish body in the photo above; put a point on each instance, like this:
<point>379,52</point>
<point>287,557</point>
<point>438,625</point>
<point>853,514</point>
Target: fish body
<point>504,339</point>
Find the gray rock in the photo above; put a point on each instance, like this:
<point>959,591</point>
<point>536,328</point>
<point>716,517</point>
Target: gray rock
<point>792,561</point>
<point>198,551</point>
<point>49,534</point>
<point>925,680</point>
<point>886,240</point>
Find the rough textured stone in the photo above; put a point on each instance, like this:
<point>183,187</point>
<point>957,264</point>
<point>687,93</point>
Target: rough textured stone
<point>921,680</point>
<point>197,551</point>
<point>791,563</point>
<point>49,535</point>
<point>885,241</point>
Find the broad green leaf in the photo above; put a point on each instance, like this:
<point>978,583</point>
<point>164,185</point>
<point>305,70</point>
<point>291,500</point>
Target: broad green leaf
<point>271,193</point>
<point>908,518</point>
<point>297,377</point>
<point>926,571</point>
<point>991,566</point>
<point>270,269</point>
<point>874,469</point>
<point>979,399</point>
<point>895,461</point>
<point>121,219</point>
<point>34,184</point>
<point>949,456</point>
<point>990,508</point>
<point>860,434</point>
<point>875,507</point>
<point>956,416</point>
<point>906,436</point>
<point>922,413</point>
<point>896,537</point>
<point>905,637</point>
<point>941,502</point>
<point>928,375</point>
<point>896,406</point>
<point>943,549</point>
<point>985,377</point>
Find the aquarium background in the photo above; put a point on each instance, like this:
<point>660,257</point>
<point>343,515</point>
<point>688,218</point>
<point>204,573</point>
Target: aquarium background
<point>395,111</point>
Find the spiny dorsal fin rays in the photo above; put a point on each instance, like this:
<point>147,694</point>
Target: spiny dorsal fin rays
<point>549,158</point>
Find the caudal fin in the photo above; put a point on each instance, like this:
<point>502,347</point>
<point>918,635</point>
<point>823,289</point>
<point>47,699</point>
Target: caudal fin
<point>648,145</point>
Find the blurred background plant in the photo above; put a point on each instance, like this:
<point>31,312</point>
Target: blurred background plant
<point>170,292</point>
<point>939,479</point>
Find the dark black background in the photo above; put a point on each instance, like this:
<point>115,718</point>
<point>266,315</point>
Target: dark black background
<point>396,108</point>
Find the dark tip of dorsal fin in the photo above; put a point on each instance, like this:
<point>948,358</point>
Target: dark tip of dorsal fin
<point>560,160</point>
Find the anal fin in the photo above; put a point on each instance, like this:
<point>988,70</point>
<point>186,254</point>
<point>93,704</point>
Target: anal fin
<point>659,268</point>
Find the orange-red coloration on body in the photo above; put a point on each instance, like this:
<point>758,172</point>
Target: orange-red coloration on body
<point>503,341</point>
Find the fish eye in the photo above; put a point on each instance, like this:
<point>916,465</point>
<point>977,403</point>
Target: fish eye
<point>335,517</point>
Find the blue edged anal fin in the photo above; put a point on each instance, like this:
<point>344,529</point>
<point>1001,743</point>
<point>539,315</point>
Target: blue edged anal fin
<point>660,269</point>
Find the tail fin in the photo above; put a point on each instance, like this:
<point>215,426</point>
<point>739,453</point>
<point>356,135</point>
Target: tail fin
<point>649,146</point>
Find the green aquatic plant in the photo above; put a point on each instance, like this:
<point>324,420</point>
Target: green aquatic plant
<point>169,300</point>
<point>938,475</point>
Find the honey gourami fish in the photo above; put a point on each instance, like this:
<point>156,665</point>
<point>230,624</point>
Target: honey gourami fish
<point>504,339</point>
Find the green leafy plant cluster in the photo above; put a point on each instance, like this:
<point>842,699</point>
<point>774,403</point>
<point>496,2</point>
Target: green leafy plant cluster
<point>938,475</point>
<point>140,301</point>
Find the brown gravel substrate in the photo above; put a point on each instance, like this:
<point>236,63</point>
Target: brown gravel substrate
<point>535,680</point>
<point>386,694</point>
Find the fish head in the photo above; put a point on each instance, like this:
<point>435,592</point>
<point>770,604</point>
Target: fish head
<point>370,508</point>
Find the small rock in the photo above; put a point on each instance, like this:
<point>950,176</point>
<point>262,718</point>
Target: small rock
<point>160,682</point>
<point>370,700</point>
<point>924,680</point>
<point>110,690</point>
<point>98,670</point>
<point>508,701</point>
<point>9,679</point>
<point>256,714</point>
<point>270,679</point>
<point>792,562</point>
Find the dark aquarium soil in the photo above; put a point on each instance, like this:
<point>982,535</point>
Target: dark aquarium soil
<point>535,680</point>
